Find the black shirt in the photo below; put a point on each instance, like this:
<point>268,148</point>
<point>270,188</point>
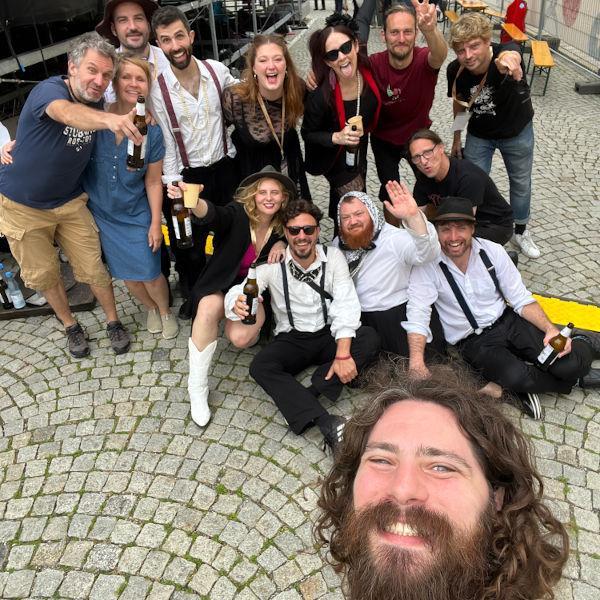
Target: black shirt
<point>503,107</point>
<point>466,180</point>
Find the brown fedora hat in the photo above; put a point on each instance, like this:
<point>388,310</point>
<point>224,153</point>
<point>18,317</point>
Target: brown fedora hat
<point>104,27</point>
<point>270,172</point>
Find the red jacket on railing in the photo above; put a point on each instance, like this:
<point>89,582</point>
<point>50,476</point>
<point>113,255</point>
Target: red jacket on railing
<point>515,14</point>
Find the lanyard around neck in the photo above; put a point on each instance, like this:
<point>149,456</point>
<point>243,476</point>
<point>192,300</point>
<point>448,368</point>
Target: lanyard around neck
<point>474,97</point>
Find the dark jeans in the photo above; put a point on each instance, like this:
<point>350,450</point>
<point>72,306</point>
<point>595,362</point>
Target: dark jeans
<point>220,182</point>
<point>274,368</point>
<point>502,352</point>
<point>387,161</point>
<point>388,324</point>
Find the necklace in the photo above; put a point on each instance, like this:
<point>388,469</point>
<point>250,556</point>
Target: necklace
<point>202,99</point>
<point>357,92</point>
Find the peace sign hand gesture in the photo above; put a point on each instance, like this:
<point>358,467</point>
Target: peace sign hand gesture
<point>426,17</point>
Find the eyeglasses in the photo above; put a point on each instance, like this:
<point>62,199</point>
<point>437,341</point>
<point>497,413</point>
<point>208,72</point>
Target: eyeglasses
<point>345,48</point>
<point>427,154</point>
<point>307,229</point>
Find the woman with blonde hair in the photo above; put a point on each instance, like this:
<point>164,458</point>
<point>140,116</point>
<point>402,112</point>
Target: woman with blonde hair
<point>247,230</point>
<point>264,109</point>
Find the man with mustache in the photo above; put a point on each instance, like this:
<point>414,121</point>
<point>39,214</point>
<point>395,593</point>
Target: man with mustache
<point>406,76</point>
<point>186,100</point>
<point>381,256</point>
<point>126,25</point>
<point>317,321</point>
<point>489,315</point>
<point>433,496</point>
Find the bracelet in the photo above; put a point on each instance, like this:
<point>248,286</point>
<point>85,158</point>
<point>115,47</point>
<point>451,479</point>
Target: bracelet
<point>343,357</point>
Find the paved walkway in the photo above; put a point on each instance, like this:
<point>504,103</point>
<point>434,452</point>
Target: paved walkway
<point>108,490</point>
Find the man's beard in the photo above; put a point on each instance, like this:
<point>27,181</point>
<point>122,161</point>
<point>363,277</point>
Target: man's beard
<point>360,238</point>
<point>456,569</point>
<point>184,61</point>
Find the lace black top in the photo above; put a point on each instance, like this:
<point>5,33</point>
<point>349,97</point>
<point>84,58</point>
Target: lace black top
<point>256,147</point>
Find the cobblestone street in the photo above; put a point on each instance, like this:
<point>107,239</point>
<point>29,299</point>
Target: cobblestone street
<point>108,489</point>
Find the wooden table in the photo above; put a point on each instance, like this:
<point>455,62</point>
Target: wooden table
<point>477,5</point>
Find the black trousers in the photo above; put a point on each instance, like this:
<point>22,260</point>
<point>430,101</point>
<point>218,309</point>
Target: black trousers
<point>502,353</point>
<point>388,324</point>
<point>274,368</point>
<point>387,162</point>
<point>317,4</point>
<point>495,232</point>
<point>220,182</point>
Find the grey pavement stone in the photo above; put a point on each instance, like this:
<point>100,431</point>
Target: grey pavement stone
<point>76,584</point>
<point>46,583</point>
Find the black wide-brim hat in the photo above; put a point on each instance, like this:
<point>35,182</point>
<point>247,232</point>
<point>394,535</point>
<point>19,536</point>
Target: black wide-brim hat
<point>453,208</point>
<point>104,27</point>
<point>270,172</point>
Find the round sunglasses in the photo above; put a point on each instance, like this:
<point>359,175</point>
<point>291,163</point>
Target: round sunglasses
<point>307,229</point>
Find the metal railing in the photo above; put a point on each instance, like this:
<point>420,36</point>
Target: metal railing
<point>573,27</point>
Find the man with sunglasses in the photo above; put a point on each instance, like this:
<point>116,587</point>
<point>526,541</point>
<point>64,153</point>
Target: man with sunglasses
<point>317,321</point>
<point>439,176</point>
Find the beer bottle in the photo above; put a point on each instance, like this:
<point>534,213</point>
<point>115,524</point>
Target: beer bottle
<point>352,154</point>
<point>137,152</point>
<point>182,222</point>
<point>251,293</point>
<point>554,347</point>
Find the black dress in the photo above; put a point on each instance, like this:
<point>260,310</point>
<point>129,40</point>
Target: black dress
<point>323,157</point>
<point>254,142</point>
<point>231,227</point>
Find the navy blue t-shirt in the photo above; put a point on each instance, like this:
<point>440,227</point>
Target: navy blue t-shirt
<point>49,157</point>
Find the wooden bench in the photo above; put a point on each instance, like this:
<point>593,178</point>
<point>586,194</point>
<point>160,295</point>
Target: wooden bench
<point>451,16</point>
<point>542,61</point>
<point>516,34</point>
<point>493,14</point>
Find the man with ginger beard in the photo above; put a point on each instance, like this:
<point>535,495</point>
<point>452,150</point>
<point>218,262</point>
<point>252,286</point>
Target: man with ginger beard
<point>433,496</point>
<point>380,258</point>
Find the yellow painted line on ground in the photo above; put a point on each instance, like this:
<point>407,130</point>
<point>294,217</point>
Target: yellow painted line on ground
<point>563,311</point>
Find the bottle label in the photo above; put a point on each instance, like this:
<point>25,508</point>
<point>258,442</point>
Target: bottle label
<point>545,354</point>
<point>140,109</point>
<point>253,305</point>
<point>176,227</point>
<point>350,159</point>
<point>131,148</point>
<point>187,223</point>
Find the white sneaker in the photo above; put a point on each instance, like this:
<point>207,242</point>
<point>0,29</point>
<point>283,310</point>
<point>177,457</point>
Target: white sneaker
<point>526,244</point>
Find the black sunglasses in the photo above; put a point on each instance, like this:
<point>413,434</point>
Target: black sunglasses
<point>345,48</point>
<point>308,229</point>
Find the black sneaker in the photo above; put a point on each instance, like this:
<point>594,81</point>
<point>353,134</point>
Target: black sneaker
<point>185,310</point>
<point>531,406</point>
<point>78,346</point>
<point>118,336</point>
<point>335,433</point>
<point>591,380</point>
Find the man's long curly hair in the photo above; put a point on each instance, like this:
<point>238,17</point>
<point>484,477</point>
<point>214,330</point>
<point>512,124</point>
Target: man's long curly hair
<point>529,546</point>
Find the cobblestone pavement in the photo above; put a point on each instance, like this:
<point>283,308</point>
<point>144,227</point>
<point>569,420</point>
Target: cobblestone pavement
<point>108,490</point>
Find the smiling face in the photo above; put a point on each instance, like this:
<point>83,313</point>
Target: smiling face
<point>177,43</point>
<point>345,64</point>
<point>90,78</point>
<point>302,246</point>
<point>268,197</point>
<point>456,238</point>
<point>131,83</point>
<point>356,224</point>
<point>474,55</point>
<point>269,68</point>
<point>130,26</point>
<point>421,498</point>
<point>399,35</point>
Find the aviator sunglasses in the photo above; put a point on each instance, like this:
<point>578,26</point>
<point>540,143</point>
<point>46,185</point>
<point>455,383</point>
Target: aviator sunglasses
<point>308,229</point>
<point>345,48</point>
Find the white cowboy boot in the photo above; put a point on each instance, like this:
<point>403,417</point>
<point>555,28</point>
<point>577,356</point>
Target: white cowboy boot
<point>198,381</point>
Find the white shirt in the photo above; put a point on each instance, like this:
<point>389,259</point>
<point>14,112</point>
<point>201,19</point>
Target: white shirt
<point>428,285</point>
<point>159,62</point>
<point>305,303</point>
<point>4,135</point>
<point>200,120</point>
<point>382,279</point>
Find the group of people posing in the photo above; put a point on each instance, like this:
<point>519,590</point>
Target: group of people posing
<point>441,277</point>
